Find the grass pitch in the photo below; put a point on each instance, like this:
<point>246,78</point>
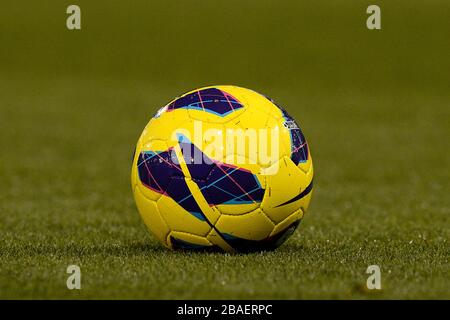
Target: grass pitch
<point>373,105</point>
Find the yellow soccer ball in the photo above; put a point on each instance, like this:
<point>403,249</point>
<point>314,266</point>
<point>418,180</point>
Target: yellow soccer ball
<point>222,167</point>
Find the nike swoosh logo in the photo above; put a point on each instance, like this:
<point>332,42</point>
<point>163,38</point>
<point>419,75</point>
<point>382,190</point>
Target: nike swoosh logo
<point>299,196</point>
